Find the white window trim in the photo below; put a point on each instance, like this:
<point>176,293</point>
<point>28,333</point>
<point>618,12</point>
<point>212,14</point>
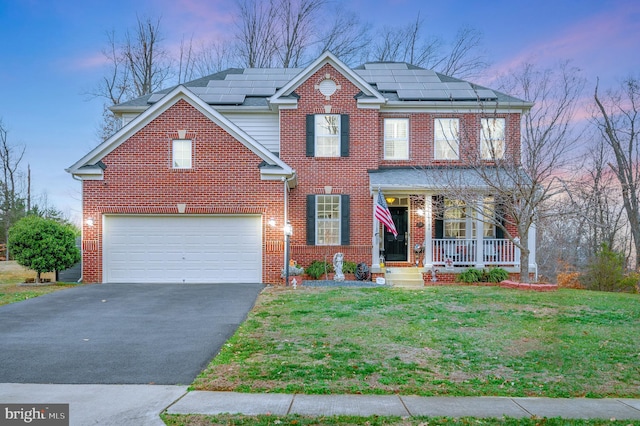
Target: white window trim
<point>396,140</point>
<point>174,146</point>
<point>469,219</point>
<point>486,136</point>
<point>337,220</point>
<point>335,137</point>
<point>456,150</point>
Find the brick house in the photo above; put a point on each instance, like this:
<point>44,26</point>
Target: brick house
<point>199,182</point>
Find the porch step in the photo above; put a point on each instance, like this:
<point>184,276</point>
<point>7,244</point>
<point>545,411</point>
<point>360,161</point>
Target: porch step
<point>404,277</point>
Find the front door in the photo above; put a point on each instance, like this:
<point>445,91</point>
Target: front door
<point>395,248</point>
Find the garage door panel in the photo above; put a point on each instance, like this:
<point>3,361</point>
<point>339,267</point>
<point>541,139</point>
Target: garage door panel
<point>186,249</point>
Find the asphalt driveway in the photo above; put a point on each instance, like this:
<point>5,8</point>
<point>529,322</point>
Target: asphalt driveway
<point>120,333</point>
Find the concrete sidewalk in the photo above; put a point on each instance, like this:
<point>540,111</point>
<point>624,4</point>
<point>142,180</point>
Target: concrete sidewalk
<point>141,405</point>
<point>395,405</point>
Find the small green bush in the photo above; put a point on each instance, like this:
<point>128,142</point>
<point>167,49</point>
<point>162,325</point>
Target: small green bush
<point>471,275</point>
<point>349,267</point>
<point>496,275</point>
<point>605,272</point>
<point>630,283</point>
<point>317,268</point>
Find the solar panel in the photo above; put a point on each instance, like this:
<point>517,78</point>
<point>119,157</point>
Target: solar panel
<point>223,99</point>
<point>155,97</point>
<point>386,66</point>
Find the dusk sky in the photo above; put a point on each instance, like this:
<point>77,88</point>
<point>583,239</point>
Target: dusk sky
<point>51,57</point>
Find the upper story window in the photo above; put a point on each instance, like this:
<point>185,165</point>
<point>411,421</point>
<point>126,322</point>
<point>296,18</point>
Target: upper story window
<point>181,154</point>
<point>447,138</point>
<point>492,138</point>
<point>327,135</point>
<point>396,139</point>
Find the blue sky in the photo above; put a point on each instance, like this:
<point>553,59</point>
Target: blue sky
<point>51,56</point>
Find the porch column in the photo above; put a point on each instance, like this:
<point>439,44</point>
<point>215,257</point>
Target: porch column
<point>428,232</point>
<point>375,238</point>
<point>480,234</point>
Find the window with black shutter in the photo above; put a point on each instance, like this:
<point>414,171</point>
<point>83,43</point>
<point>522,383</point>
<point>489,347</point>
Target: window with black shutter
<point>327,135</point>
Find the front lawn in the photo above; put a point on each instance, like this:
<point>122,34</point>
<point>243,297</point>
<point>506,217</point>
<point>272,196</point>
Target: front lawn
<point>447,341</point>
<point>12,274</point>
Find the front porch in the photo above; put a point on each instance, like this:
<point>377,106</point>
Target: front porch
<point>479,253</point>
<point>429,243</point>
<point>449,257</point>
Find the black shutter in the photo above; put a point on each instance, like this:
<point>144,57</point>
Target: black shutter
<point>311,220</point>
<point>438,208</point>
<point>344,135</point>
<point>500,220</point>
<point>344,220</point>
<point>311,135</point>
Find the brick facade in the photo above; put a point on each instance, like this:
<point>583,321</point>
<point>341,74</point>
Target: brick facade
<point>139,179</point>
<point>225,177</point>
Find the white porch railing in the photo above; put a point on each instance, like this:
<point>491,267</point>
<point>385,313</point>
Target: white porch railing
<point>464,252</point>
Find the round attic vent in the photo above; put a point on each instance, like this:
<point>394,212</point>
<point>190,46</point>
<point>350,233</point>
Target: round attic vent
<point>327,87</point>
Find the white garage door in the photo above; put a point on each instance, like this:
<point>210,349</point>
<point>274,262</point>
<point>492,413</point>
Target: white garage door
<point>182,249</point>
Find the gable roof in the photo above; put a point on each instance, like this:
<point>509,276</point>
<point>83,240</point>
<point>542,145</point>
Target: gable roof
<point>369,94</point>
<point>91,167</point>
<point>394,84</point>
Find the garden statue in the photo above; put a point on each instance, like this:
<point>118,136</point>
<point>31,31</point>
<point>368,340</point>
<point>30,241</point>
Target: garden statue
<point>338,259</point>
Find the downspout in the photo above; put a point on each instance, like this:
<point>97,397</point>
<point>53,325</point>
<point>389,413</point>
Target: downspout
<point>287,229</point>
<point>81,229</point>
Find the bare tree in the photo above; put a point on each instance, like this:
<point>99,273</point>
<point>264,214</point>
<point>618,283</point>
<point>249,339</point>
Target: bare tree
<point>212,58</point>
<point>257,36</point>
<point>346,37</point>
<point>147,62</point>
<point>407,44</point>
<point>12,202</point>
<point>525,183</point>
<point>618,122</point>
<point>186,61</point>
<point>465,58</point>
<point>591,215</point>
<point>137,66</point>
<point>297,31</point>
<point>599,201</point>
<point>115,85</point>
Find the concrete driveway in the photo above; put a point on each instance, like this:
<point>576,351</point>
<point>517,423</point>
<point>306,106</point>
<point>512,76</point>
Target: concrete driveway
<point>120,333</point>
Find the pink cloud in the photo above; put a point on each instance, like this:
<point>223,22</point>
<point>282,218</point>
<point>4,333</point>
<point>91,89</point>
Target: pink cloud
<point>204,20</point>
<point>604,44</point>
<point>91,61</point>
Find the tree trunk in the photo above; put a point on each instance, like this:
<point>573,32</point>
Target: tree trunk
<point>524,265</point>
<point>38,278</point>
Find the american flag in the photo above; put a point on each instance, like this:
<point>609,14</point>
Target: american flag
<point>383,214</point>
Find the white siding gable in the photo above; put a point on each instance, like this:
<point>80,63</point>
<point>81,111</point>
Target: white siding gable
<point>263,128</point>
<point>128,117</point>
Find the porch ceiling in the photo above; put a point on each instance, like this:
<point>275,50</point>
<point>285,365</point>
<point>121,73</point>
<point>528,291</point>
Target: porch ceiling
<point>439,178</point>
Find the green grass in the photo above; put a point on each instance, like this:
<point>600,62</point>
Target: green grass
<point>11,293</point>
<point>269,420</point>
<point>11,274</point>
<point>446,341</point>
